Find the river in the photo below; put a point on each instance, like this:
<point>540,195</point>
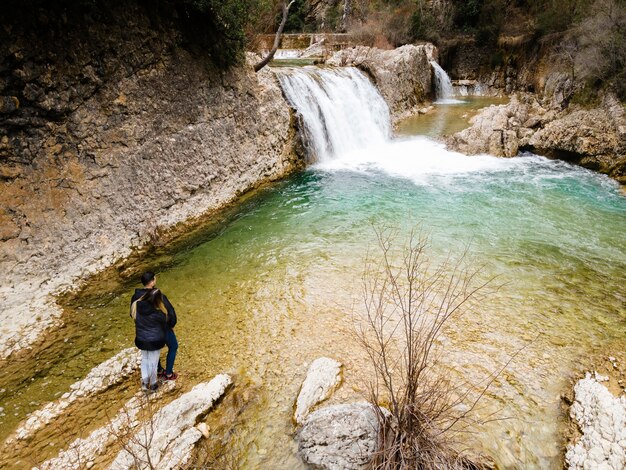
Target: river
<point>275,283</point>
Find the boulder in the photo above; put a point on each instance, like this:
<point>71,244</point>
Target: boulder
<point>593,138</point>
<point>339,437</point>
<point>601,418</point>
<point>100,378</point>
<point>323,378</point>
<point>170,435</point>
<point>402,75</point>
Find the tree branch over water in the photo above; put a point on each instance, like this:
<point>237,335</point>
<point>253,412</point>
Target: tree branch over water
<point>279,32</point>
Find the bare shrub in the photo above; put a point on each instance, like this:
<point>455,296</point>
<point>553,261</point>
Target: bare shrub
<point>602,39</point>
<point>408,304</point>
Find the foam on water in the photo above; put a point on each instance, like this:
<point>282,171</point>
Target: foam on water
<point>425,161</point>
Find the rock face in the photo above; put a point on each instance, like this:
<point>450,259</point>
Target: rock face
<point>171,435</point>
<point>339,437</point>
<point>403,75</point>
<point>323,377</point>
<point>101,377</point>
<point>108,131</point>
<point>595,139</point>
<point>601,418</point>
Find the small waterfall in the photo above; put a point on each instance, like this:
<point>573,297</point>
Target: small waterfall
<point>340,108</point>
<point>443,85</point>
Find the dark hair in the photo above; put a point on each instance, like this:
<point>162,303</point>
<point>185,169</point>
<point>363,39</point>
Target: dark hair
<point>147,277</point>
<point>155,297</point>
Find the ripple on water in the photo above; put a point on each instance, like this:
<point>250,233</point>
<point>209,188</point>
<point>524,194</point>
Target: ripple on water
<point>278,285</point>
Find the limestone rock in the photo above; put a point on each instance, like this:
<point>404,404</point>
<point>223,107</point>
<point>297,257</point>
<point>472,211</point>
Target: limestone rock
<point>402,75</point>
<point>494,130</point>
<point>339,437</point>
<point>323,377</point>
<point>87,450</point>
<point>124,131</point>
<point>100,378</point>
<point>171,433</point>
<point>593,138</point>
<point>601,418</point>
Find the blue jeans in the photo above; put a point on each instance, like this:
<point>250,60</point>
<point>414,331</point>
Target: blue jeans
<point>172,347</point>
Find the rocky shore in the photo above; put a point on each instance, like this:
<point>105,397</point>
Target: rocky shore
<point>593,138</point>
<point>110,150</point>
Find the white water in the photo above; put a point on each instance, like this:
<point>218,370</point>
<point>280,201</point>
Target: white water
<point>341,110</point>
<point>470,90</point>
<point>443,85</point>
<point>287,54</point>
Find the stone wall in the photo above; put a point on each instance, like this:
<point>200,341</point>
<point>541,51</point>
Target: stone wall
<point>110,127</point>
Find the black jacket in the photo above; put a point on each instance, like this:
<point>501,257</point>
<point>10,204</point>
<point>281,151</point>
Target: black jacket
<point>171,313</point>
<point>150,327</point>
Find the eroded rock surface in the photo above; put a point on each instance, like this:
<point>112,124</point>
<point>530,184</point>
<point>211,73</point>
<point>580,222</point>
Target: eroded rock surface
<point>323,377</point>
<point>593,138</point>
<point>170,436</point>
<point>108,131</point>
<point>403,75</point>
<point>100,378</point>
<point>339,437</point>
<point>83,452</point>
<point>601,418</point>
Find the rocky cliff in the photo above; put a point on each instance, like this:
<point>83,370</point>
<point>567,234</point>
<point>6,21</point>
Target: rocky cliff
<point>113,125</point>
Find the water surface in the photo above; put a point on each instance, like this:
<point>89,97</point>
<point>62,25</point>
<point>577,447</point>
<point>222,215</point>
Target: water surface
<point>278,284</point>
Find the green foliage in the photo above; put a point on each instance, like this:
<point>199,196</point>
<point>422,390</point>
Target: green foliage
<point>296,21</point>
<point>424,25</point>
<point>554,16</point>
<point>218,26</point>
<point>497,59</point>
<point>467,13</point>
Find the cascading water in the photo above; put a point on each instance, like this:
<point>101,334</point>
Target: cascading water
<point>443,84</point>
<point>340,108</point>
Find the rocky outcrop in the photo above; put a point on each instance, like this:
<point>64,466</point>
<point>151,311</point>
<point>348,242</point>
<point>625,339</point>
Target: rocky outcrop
<point>402,75</point>
<point>100,378</point>
<point>339,437</point>
<point>601,418</point>
<point>170,435</point>
<point>323,377</point>
<point>593,138</point>
<point>83,452</point>
<point>110,130</point>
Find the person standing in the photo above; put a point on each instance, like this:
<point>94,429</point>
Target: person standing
<point>149,279</point>
<point>150,316</point>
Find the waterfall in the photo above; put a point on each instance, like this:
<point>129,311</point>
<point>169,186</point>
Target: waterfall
<point>340,108</point>
<point>443,85</point>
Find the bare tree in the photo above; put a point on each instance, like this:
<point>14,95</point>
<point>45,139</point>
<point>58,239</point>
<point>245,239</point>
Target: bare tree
<point>279,32</point>
<point>407,306</point>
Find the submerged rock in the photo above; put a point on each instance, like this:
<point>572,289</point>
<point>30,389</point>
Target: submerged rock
<point>402,75</point>
<point>601,418</point>
<point>101,377</point>
<point>171,435</point>
<point>84,451</point>
<point>339,437</point>
<point>323,377</point>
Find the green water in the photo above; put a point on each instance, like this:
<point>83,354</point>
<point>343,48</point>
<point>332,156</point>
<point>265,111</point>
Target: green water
<point>278,284</point>
<point>447,119</point>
